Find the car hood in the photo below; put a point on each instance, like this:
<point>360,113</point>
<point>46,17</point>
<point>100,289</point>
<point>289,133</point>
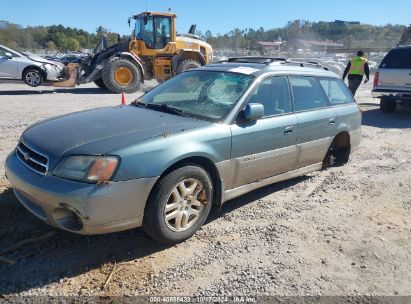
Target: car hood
<point>37,58</point>
<point>100,131</point>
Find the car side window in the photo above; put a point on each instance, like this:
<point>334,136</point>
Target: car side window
<point>336,91</point>
<point>274,94</point>
<point>2,52</point>
<point>307,93</point>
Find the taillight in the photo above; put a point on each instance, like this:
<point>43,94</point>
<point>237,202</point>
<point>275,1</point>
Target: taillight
<point>377,75</point>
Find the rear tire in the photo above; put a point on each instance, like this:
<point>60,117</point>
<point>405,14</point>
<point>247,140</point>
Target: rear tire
<point>188,65</point>
<point>387,105</point>
<point>337,155</point>
<point>100,83</point>
<point>121,76</point>
<point>33,77</point>
<point>178,205</point>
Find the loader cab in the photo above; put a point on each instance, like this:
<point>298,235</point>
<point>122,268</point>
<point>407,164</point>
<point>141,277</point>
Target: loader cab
<point>156,30</point>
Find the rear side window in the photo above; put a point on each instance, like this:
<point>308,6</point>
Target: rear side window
<point>397,59</point>
<point>336,91</point>
<point>307,94</point>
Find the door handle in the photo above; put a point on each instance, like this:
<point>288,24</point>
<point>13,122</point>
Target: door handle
<point>288,130</point>
<point>331,121</point>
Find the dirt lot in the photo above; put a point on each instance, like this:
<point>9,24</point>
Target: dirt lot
<point>344,231</point>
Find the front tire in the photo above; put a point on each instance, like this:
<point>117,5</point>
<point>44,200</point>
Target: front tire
<point>121,76</point>
<point>33,77</point>
<point>178,205</point>
<point>188,65</point>
<point>387,105</point>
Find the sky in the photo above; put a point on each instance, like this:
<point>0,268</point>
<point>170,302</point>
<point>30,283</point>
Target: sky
<point>218,16</point>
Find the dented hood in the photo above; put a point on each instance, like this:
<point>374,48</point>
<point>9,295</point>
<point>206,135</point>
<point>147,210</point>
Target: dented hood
<point>42,60</point>
<point>100,131</point>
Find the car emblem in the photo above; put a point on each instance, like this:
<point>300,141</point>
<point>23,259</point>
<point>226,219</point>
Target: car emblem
<point>26,156</point>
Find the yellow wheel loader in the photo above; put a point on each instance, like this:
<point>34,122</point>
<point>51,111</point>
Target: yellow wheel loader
<point>154,51</point>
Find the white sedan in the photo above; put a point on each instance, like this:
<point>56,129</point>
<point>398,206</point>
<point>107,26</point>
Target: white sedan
<point>32,69</point>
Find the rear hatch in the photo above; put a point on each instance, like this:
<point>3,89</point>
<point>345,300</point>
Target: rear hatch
<point>395,71</point>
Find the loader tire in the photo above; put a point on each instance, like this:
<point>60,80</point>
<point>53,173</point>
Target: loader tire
<point>100,83</point>
<point>121,76</point>
<point>187,65</point>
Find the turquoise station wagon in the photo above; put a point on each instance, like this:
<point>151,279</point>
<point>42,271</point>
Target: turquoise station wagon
<point>199,139</point>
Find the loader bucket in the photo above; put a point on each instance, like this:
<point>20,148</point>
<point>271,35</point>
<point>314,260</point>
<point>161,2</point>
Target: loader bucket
<point>71,76</point>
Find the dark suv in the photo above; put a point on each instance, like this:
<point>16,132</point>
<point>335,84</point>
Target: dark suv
<point>392,80</point>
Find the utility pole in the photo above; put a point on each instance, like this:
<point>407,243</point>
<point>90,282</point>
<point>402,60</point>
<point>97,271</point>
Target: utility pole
<point>279,46</point>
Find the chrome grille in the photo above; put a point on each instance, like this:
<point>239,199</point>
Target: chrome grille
<point>32,159</point>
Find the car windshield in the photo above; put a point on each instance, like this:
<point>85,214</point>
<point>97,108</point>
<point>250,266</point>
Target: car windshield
<point>205,94</point>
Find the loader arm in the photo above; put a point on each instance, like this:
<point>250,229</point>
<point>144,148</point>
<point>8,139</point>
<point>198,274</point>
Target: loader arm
<point>71,71</point>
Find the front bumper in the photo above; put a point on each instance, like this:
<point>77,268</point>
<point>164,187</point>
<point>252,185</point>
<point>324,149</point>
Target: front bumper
<point>393,94</point>
<point>53,73</point>
<point>79,207</point>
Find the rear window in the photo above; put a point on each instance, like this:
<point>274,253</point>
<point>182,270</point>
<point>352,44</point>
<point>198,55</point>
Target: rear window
<point>336,91</point>
<point>397,59</point>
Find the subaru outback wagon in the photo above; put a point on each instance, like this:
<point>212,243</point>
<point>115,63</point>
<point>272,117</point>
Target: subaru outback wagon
<point>199,139</point>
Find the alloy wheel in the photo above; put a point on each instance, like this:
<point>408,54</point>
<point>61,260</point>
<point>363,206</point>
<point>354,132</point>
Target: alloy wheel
<point>184,205</point>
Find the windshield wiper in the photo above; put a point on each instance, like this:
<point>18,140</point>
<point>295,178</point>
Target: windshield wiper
<point>161,107</point>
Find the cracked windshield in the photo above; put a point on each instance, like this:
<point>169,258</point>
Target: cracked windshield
<point>200,93</point>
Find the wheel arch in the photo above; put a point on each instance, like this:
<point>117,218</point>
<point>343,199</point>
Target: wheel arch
<point>186,54</point>
<point>205,163</point>
<point>342,139</point>
<point>338,152</point>
<point>133,59</point>
<point>34,67</point>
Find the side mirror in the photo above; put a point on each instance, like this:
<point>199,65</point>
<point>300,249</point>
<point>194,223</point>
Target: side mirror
<point>8,55</point>
<point>253,111</point>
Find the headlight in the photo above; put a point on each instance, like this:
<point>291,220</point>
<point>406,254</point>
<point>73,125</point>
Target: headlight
<point>92,169</point>
<point>49,66</point>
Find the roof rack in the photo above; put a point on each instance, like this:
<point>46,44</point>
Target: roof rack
<point>312,64</point>
<point>269,60</point>
<point>254,59</point>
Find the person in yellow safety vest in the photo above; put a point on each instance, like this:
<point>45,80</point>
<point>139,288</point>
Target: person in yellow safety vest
<point>356,69</point>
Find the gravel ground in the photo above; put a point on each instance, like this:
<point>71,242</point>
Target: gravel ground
<point>343,231</point>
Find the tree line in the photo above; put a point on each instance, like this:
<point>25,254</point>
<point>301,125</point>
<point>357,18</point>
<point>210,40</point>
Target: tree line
<point>55,37</point>
<point>59,37</point>
<point>351,35</point>
<point>406,37</point>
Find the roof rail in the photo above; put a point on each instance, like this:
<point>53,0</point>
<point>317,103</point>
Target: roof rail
<point>255,59</point>
<point>269,60</point>
<point>312,64</point>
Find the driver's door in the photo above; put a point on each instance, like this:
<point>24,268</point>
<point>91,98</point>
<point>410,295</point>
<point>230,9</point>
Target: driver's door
<point>162,34</point>
<point>8,66</point>
<point>266,147</point>
<point>156,32</point>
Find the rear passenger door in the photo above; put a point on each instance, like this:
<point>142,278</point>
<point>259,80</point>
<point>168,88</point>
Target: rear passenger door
<point>315,119</point>
<point>265,147</point>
